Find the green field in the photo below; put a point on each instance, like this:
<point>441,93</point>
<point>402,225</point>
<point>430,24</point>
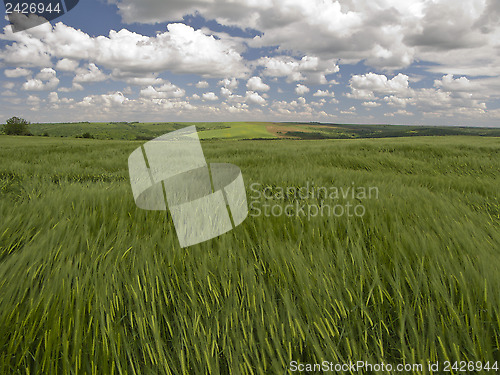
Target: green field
<point>250,130</point>
<point>238,130</point>
<point>134,130</point>
<point>90,284</point>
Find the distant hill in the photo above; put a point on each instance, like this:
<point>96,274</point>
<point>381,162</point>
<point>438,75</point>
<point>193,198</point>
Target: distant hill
<point>250,130</point>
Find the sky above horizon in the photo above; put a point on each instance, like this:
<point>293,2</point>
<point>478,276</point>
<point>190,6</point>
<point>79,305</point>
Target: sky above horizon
<point>429,62</point>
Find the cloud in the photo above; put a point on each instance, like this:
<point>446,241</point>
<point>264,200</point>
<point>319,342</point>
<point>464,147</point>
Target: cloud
<point>350,111</point>
<point>310,69</point>
<point>301,109</point>
<point>35,85</point>
<point>27,50</point>
<point>394,101</point>
<point>385,34</point>
<point>53,97</point>
<point>462,84</point>
<point>115,99</point>
<point>202,85</point>
<point>327,29</point>
<point>46,74</point>
<point>18,72</point>
<point>403,112</point>
<point>67,65</point>
<point>151,92</point>
<point>449,97</point>
<point>283,22</point>
<point>380,83</point>
<point>238,108</point>
<point>360,94</point>
<point>432,100</point>
<point>301,42</point>
<point>33,100</point>
<point>256,84</point>
<point>301,89</point>
<point>8,92</point>
<point>370,104</point>
<point>210,96</point>
<point>447,25</point>
<point>181,49</point>
<point>225,92</point>
<point>489,18</point>
<point>91,74</point>
<point>231,84</point>
<point>137,79</point>
<point>74,87</point>
<point>254,98</point>
<point>324,93</point>
<point>45,80</point>
<point>168,90</point>
<point>366,86</point>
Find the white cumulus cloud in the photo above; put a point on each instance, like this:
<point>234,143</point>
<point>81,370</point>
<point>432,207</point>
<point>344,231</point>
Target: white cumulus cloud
<point>67,65</point>
<point>202,85</point>
<point>301,89</point>
<point>231,84</point>
<point>254,98</point>
<point>45,80</point>
<point>256,84</point>
<point>18,72</point>
<point>91,74</point>
<point>210,96</point>
<point>310,69</point>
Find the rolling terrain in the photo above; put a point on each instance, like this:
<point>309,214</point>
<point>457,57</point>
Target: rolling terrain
<point>251,130</point>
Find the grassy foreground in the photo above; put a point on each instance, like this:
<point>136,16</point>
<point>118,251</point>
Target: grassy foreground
<point>90,284</point>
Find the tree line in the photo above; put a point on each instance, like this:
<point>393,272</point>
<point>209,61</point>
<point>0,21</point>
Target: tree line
<point>16,126</point>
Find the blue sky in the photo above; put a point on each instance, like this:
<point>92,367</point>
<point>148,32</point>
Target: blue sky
<point>432,62</point>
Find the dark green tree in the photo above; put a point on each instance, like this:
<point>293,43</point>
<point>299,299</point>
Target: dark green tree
<point>16,126</point>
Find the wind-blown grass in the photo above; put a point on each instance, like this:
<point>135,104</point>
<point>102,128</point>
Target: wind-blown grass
<point>91,284</point>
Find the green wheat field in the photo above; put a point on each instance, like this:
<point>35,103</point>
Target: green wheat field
<point>90,284</point>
